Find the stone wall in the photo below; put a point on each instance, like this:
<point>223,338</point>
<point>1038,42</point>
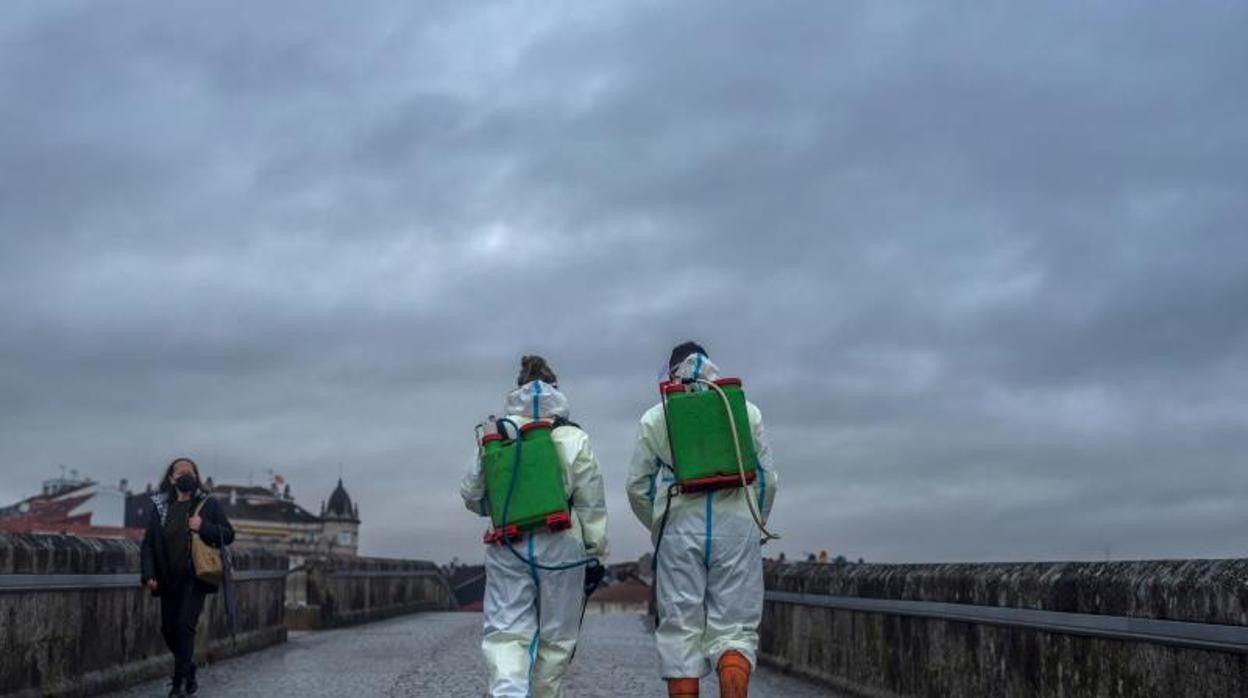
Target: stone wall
<point>103,632</point>
<point>346,591</point>
<point>877,654</point>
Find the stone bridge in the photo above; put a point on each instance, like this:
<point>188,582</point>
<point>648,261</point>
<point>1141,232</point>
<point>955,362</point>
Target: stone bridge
<point>438,654</point>
<point>73,622</point>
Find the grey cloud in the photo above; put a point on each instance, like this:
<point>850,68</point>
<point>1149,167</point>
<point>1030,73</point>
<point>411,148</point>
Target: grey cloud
<point>980,267</point>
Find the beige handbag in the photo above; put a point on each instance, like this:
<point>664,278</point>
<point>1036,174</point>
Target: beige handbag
<point>207,559</point>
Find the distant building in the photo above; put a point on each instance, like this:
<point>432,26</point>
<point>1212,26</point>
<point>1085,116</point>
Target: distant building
<point>340,521</point>
<point>265,517</point>
<point>269,518</point>
<point>74,506</point>
<point>625,588</point>
<point>630,595</point>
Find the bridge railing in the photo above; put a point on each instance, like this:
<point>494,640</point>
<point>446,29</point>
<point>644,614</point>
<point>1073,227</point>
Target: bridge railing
<point>1157,628</point>
<point>346,591</point>
<point>74,621</point>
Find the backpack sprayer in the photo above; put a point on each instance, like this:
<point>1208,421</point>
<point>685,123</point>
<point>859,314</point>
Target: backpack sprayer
<point>528,469</point>
<point>709,451</point>
<point>702,418</point>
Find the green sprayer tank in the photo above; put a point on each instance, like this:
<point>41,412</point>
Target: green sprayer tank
<point>539,499</point>
<point>701,436</point>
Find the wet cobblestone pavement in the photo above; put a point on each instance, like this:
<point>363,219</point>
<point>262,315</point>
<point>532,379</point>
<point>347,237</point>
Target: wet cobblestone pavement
<point>438,654</point>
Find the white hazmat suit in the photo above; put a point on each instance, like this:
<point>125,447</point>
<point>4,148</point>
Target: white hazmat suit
<point>709,569</point>
<point>525,659</point>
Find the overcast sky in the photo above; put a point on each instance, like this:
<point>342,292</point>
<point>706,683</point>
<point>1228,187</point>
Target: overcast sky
<point>984,268</point>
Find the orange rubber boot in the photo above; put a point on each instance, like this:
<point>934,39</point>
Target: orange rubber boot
<point>682,688</point>
<point>734,675</point>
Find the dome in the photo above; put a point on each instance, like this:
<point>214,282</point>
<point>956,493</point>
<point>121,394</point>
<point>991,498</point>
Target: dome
<point>340,503</point>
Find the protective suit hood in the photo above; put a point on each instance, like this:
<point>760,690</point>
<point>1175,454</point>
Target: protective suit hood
<point>696,366</point>
<point>537,400</point>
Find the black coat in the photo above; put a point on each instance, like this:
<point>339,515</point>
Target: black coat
<point>214,529</point>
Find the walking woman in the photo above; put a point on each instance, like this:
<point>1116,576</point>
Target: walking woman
<point>537,578</point>
<point>179,510</point>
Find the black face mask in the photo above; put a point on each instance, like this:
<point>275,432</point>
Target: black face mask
<point>185,483</point>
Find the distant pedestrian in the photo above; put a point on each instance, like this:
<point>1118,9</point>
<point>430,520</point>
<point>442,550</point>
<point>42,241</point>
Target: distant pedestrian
<point>181,510</point>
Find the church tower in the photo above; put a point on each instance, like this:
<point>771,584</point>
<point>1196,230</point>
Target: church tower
<point>340,523</point>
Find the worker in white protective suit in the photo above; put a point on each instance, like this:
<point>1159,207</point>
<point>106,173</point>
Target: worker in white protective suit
<point>532,616</point>
<point>708,559</point>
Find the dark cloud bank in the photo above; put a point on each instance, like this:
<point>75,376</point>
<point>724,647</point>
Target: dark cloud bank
<point>984,269</point>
